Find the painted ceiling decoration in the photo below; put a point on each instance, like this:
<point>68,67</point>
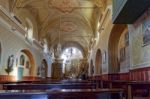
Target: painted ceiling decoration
<point>68,27</point>
<point>66,6</point>
<point>79,19</point>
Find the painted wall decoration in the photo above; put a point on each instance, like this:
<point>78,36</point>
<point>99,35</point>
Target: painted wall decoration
<point>146,31</point>
<point>22,60</point>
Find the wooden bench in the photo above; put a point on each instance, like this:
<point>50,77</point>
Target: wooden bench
<point>48,86</point>
<point>46,82</point>
<point>66,94</point>
<point>135,85</point>
<point>130,87</point>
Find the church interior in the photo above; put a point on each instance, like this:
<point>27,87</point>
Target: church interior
<point>75,49</point>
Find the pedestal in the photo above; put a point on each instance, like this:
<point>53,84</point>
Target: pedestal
<point>57,69</point>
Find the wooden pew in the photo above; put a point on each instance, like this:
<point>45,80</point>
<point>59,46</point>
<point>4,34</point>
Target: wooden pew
<point>115,84</point>
<point>46,82</point>
<point>135,85</point>
<point>75,81</point>
<point>129,86</point>
<point>48,86</point>
<point>30,82</point>
<point>66,94</point>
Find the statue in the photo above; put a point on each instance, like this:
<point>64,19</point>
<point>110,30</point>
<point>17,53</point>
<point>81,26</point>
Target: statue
<point>10,64</point>
<point>58,51</point>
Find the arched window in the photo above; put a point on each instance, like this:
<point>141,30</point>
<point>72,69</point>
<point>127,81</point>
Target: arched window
<point>22,60</point>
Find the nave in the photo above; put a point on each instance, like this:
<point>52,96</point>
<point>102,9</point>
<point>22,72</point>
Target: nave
<point>75,89</point>
<point>74,49</point>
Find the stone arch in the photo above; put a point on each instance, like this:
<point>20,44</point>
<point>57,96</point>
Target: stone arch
<point>113,43</point>
<point>98,62</point>
<point>31,60</point>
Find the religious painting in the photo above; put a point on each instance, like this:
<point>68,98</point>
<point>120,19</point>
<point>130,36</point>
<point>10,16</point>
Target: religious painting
<point>27,64</point>
<point>22,60</point>
<point>146,31</point>
<point>122,54</point>
<point>104,57</point>
<point>127,39</point>
<point>10,61</point>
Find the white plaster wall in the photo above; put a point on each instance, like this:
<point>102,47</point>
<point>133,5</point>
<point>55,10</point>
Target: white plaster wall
<point>12,44</point>
<point>140,53</point>
<point>103,41</point>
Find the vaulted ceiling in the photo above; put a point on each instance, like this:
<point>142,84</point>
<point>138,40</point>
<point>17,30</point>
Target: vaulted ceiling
<point>75,20</point>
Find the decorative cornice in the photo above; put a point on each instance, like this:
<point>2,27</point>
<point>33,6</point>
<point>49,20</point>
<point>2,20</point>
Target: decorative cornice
<point>14,25</point>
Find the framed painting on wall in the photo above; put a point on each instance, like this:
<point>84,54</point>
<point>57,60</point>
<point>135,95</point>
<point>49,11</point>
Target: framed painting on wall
<point>146,31</point>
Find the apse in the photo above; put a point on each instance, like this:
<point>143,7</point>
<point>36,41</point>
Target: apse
<point>72,57</point>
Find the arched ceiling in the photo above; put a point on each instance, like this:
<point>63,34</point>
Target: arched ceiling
<point>75,20</point>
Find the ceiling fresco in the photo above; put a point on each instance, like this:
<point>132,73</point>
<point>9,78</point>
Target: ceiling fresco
<point>75,20</point>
